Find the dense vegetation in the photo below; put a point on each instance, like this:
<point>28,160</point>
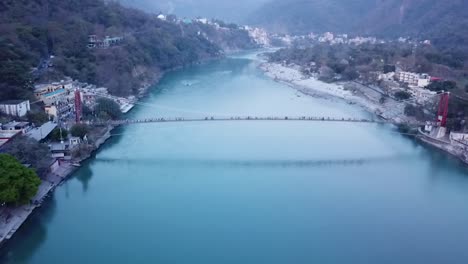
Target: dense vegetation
<point>79,130</point>
<point>29,151</point>
<point>342,62</point>
<point>444,22</point>
<point>18,184</point>
<point>33,30</point>
<point>305,16</point>
<point>349,61</point>
<point>107,109</point>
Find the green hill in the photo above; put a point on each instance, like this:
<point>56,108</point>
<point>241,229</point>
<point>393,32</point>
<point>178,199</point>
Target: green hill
<point>33,30</point>
<point>445,22</point>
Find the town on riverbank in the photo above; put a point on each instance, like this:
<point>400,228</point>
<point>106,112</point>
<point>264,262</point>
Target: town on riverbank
<point>397,80</point>
<point>46,127</point>
<point>49,95</point>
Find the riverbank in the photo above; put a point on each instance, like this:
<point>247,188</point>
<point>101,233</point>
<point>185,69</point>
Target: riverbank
<point>11,219</point>
<point>351,92</point>
<point>355,93</point>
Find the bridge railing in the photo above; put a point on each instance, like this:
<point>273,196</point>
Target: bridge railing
<point>237,118</point>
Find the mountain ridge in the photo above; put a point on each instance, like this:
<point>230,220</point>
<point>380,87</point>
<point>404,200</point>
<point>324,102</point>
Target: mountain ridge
<point>441,21</point>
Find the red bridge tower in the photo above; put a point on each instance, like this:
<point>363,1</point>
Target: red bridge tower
<point>78,106</point>
<point>443,110</point>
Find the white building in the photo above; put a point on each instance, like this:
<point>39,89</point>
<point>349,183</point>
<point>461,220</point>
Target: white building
<point>424,80</point>
<point>259,35</point>
<point>423,95</point>
<point>17,108</point>
<point>387,76</point>
<point>202,20</point>
<point>326,37</point>
<point>414,79</point>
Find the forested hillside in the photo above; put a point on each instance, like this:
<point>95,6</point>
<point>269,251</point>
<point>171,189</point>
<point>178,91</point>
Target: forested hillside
<point>444,22</point>
<point>304,16</point>
<point>232,11</point>
<point>33,30</point>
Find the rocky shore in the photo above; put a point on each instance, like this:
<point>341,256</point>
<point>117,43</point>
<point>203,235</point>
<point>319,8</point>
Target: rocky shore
<point>369,98</point>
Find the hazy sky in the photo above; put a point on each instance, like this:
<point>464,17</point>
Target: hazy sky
<point>229,10</point>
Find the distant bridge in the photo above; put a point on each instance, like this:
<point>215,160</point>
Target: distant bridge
<point>247,118</point>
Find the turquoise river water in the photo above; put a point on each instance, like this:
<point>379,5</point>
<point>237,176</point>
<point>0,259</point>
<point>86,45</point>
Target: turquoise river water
<point>251,192</point>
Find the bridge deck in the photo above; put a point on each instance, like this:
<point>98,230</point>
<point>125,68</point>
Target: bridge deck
<point>248,118</point>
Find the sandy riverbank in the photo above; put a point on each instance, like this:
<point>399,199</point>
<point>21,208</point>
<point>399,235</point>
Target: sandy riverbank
<point>350,92</point>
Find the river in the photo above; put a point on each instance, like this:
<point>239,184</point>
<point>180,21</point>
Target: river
<point>251,192</point>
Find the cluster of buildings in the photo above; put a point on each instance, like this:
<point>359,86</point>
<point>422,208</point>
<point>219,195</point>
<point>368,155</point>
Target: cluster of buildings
<point>259,35</point>
<point>95,42</point>
<point>329,37</point>
<point>58,97</point>
<point>13,129</point>
<point>416,82</point>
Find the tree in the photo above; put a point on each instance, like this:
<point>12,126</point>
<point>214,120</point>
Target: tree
<point>402,95</point>
<point>442,86</point>
<point>57,135</point>
<point>414,111</point>
<point>389,68</point>
<point>18,184</point>
<point>350,74</point>
<point>79,130</point>
<point>107,109</point>
<point>37,118</point>
<point>29,151</point>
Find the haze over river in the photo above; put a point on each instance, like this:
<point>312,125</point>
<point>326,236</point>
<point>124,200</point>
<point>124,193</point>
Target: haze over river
<point>251,192</point>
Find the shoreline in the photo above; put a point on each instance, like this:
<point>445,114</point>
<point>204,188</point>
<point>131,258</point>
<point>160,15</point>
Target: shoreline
<point>360,96</point>
<point>350,92</point>
<point>17,216</point>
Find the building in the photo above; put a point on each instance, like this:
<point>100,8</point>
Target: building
<point>17,108</point>
<point>63,150</point>
<point>387,76</point>
<point>259,35</point>
<point>7,135</point>
<point>415,79</point>
<point>424,80</point>
<point>55,97</point>
<point>58,110</point>
<point>95,42</point>
<point>20,126</point>
<point>423,95</point>
<point>326,37</point>
<point>40,133</point>
<point>42,89</point>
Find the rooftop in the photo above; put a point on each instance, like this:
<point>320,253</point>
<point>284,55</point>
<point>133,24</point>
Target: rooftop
<point>16,124</point>
<point>42,132</point>
<point>59,91</point>
<point>6,135</point>
<point>12,102</point>
<point>40,87</point>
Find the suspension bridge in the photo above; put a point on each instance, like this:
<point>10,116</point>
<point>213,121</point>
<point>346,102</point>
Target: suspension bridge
<point>223,117</point>
<point>245,118</point>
